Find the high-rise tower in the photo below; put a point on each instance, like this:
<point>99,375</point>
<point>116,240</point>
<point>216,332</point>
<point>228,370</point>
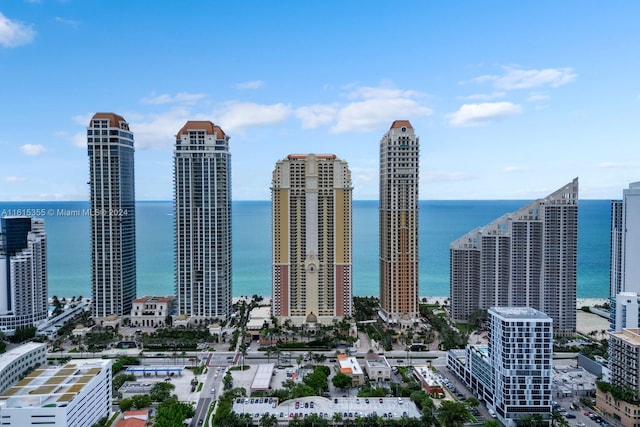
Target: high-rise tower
<point>113,214</point>
<point>527,258</point>
<point>311,214</point>
<point>202,198</point>
<point>625,241</point>
<point>23,273</point>
<point>399,170</point>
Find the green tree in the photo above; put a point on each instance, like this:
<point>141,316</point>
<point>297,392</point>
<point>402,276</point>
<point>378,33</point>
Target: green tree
<point>141,401</point>
<point>125,404</point>
<point>171,413</point>
<point>452,414</point>
<point>341,380</point>
<point>492,423</point>
<point>161,391</point>
<point>268,420</point>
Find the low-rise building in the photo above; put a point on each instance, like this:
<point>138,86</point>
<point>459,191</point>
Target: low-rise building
<point>430,383</point>
<point>151,311</point>
<point>349,366</point>
<point>75,394</point>
<point>377,367</point>
<point>17,361</point>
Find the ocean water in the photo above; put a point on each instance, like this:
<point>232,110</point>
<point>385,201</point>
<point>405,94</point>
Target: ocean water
<point>441,222</point>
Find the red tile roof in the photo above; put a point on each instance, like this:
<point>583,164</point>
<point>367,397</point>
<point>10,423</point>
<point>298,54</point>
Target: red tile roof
<point>400,123</point>
<point>205,125</point>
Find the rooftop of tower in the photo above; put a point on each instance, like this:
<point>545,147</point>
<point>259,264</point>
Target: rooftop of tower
<point>401,123</point>
<point>114,119</point>
<point>304,156</point>
<point>204,125</point>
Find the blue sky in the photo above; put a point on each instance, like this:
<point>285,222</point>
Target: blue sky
<point>511,100</point>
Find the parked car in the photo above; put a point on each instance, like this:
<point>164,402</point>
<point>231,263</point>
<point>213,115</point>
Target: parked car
<point>569,415</point>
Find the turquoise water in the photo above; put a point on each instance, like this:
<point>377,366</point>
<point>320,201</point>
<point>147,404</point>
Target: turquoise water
<point>441,222</point>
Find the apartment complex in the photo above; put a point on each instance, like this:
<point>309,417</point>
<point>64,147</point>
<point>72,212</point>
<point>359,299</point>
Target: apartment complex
<point>202,198</point>
<point>399,177</point>
<point>523,259</point>
<point>624,373</point>
<point>23,273</point>
<point>625,241</point>
<point>312,238</point>
<point>113,214</point>
<point>75,394</point>
<point>514,373</point>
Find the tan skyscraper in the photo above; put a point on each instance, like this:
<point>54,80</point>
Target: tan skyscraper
<point>311,228</point>
<point>399,169</point>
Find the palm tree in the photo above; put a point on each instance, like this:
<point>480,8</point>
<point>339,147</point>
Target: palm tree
<point>269,420</point>
<point>452,414</point>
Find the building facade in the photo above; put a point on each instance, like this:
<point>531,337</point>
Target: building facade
<point>625,241</point>
<point>399,177</point>
<point>312,238</point>
<point>16,362</point>
<point>75,394</point>
<point>202,199</point>
<point>23,273</point>
<point>113,214</point>
<point>521,354</point>
<point>513,374</point>
<point>151,311</point>
<point>523,259</point>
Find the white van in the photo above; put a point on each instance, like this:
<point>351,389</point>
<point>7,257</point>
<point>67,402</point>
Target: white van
<point>493,414</point>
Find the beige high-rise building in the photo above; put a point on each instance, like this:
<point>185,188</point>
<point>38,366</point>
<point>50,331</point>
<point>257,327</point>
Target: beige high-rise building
<point>399,176</point>
<point>312,238</point>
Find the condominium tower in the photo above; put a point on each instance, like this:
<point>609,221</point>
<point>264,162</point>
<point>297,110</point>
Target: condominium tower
<point>202,198</point>
<point>23,273</point>
<point>113,214</point>
<point>526,259</point>
<point>312,261</point>
<point>521,354</point>
<point>625,242</point>
<point>399,168</point>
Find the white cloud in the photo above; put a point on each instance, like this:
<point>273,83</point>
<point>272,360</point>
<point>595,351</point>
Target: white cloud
<point>517,78</point>
<point>13,179</point>
<point>254,84</point>
<point>377,106</point>
<point>69,22</point>
<point>313,116</point>
<point>179,98</point>
<point>32,149</point>
<point>485,96</point>
<point>536,97</point>
<point>14,33</point>
<point>614,165</point>
<point>479,114</point>
<point>159,130</point>
<point>237,116</point>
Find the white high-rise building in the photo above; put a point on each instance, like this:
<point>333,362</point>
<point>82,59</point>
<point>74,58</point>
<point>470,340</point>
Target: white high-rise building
<point>23,273</point>
<point>625,241</point>
<point>113,214</point>
<point>528,258</point>
<point>399,179</point>
<point>202,197</point>
<point>521,354</point>
<point>312,238</point>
